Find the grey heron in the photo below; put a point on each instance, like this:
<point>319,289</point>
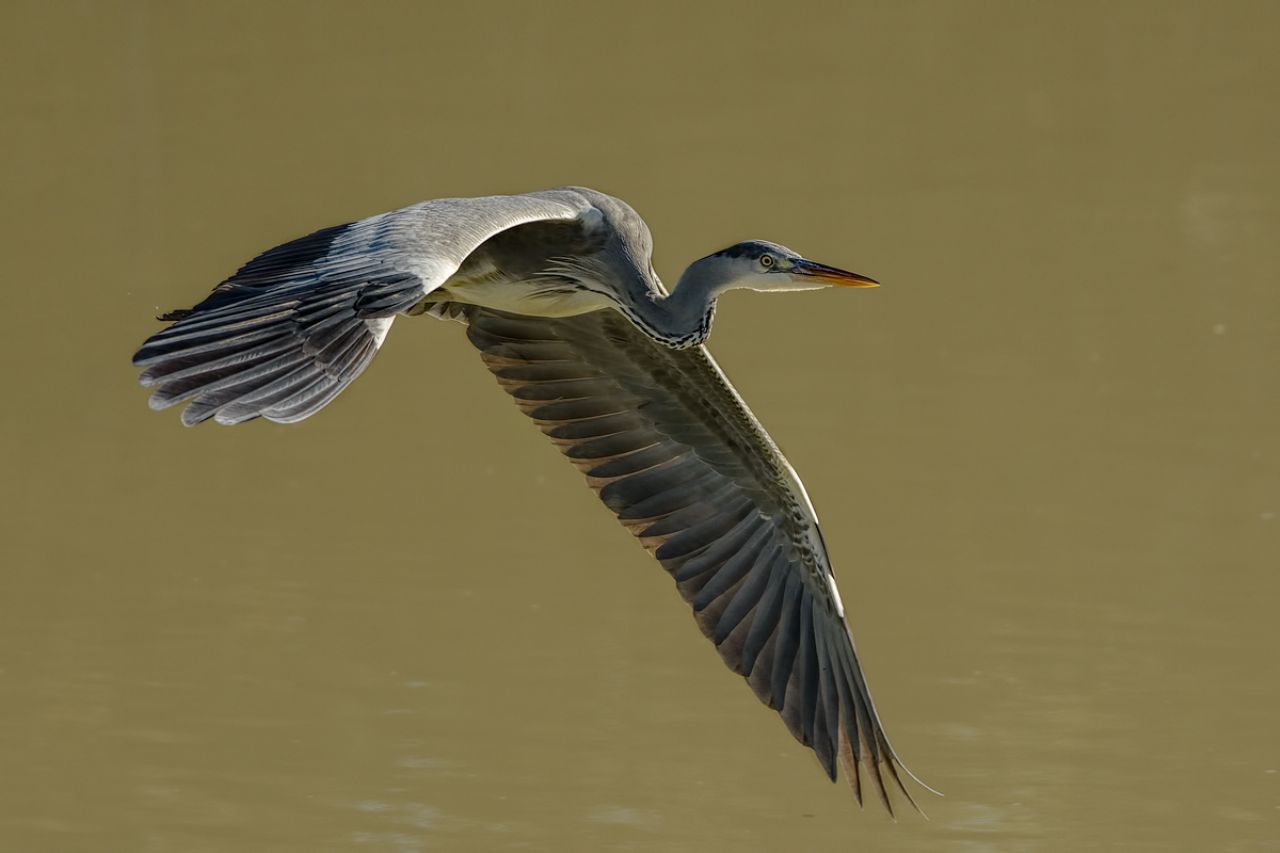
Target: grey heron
<point>559,294</point>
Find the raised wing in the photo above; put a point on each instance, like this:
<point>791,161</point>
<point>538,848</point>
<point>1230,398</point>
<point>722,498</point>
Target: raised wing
<point>283,336</point>
<point>670,447</point>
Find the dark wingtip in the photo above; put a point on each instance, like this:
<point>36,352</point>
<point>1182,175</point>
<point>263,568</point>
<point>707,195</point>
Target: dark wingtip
<point>176,314</point>
<point>892,764</point>
<point>874,772</point>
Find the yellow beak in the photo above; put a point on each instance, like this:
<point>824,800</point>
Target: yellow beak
<point>832,275</point>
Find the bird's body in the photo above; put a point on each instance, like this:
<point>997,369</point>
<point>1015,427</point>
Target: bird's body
<point>559,295</point>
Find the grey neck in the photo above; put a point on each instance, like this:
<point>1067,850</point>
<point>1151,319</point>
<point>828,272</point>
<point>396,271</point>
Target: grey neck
<point>682,319</point>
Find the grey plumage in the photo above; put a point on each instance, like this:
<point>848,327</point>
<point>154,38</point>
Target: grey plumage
<point>293,327</point>
<point>559,296</point>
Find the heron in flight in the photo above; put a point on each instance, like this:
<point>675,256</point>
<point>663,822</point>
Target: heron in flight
<point>558,292</point>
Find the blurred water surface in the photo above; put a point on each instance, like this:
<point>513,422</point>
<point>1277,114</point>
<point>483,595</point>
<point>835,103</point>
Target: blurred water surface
<point>1045,453</point>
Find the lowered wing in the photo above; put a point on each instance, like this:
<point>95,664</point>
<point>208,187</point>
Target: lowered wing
<point>671,449</point>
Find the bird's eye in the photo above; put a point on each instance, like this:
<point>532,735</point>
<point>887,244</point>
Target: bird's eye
<point>766,261</point>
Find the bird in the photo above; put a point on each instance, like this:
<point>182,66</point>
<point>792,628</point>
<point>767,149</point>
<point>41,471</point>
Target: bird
<point>558,293</point>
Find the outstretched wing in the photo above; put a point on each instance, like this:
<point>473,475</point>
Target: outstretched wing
<point>670,447</point>
<point>283,336</point>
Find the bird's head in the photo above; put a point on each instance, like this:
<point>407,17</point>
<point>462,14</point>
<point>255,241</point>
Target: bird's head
<point>761,265</point>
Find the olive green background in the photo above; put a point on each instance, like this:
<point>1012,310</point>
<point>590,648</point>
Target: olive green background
<point>1045,452</point>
